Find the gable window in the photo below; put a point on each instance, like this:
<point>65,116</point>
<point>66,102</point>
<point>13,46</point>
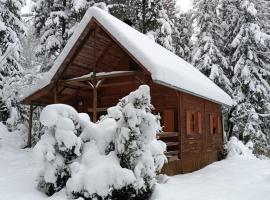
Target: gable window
<point>215,125</point>
<point>193,122</point>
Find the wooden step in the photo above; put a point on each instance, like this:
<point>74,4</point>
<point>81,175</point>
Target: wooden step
<point>167,135</point>
<point>172,158</point>
<point>171,153</point>
<point>171,144</point>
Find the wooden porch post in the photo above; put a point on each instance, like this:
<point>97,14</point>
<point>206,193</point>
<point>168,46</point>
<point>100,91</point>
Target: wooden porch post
<point>55,94</point>
<point>95,80</point>
<point>94,104</point>
<point>29,141</point>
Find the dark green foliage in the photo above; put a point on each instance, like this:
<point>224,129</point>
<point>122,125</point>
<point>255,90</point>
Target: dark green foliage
<point>62,175</point>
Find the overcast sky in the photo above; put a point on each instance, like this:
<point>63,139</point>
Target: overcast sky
<point>184,4</point>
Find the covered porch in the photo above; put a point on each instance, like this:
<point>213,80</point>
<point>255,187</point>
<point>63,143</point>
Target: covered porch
<point>96,73</point>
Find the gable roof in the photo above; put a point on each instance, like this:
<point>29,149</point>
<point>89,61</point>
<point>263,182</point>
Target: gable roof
<point>165,67</point>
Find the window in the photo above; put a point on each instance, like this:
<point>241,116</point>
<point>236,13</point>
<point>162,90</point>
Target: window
<point>193,122</point>
<point>215,124</point>
<point>168,120</point>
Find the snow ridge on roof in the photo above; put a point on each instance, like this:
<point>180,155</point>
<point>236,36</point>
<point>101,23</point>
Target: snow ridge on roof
<point>165,67</point>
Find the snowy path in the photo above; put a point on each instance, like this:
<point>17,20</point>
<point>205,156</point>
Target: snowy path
<point>232,179</point>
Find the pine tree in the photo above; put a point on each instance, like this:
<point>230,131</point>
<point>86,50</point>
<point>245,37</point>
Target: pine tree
<point>147,16</point>
<point>208,54</point>
<point>263,8</point>
<point>11,29</point>
<point>55,21</point>
<point>170,6</point>
<point>59,146</point>
<point>136,129</point>
<point>52,23</point>
<point>182,36</point>
<point>250,60</point>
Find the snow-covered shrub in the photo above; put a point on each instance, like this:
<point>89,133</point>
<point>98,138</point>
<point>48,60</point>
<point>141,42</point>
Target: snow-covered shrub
<point>116,158</point>
<point>135,142</point>
<point>59,146</point>
<point>97,175</point>
<point>236,147</point>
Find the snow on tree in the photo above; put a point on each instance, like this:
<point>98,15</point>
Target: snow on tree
<point>147,16</point>
<point>250,60</point>
<point>182,36</point>
<point>136,140</point>
<point>208,54</point>
<point>236,147</point>
<point>55,21</point>
<point>59,146</point>
<point>11,72</point>
<point>263,8</point>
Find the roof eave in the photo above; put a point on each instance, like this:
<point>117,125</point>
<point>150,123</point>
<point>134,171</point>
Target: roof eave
<point>188,92</point>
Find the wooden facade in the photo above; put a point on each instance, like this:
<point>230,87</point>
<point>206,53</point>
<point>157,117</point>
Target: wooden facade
<point>192,125</point>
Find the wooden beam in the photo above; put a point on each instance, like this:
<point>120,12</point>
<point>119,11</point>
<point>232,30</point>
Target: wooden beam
<point>106,85</point>
<point>98,110</point>
<point>38,94</point>
<point>103,76</point>
<point>79,84</point>
<point>29,140</point>
<point>75,86</point>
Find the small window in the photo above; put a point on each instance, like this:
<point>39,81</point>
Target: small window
<point>193,122</point>
<point>215,124</point>
<point>168,120</point>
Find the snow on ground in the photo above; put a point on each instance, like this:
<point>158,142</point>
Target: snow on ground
<point>237,178</point>
<point>18,169</point>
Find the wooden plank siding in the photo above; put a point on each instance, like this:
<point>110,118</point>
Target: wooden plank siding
<point>199,149</point>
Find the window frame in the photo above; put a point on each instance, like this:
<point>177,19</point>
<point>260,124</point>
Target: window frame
<point>193,122</point>
<point>215,124</point>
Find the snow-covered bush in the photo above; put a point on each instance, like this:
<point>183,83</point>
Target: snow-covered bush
<point>97,175</point>
<point>135,141</point>
<point>59,146</point>
<point>116,158</point>
<point>236,147</point>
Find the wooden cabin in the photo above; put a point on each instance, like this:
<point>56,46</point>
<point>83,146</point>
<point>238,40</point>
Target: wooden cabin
<point>106,59</point>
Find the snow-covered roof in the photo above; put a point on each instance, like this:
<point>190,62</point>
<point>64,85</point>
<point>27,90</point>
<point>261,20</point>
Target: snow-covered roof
<point>165,67</point>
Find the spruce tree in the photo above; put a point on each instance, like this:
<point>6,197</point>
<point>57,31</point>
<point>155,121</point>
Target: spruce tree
<point>147,16</point>
<point>11,30</point>
<point>182,36</point>
<point>208,54</point>
<point>55,21</point>
<point>59,146</point>
<point>250,60</point>
<point>136,131</point>
<point>52,22</point>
